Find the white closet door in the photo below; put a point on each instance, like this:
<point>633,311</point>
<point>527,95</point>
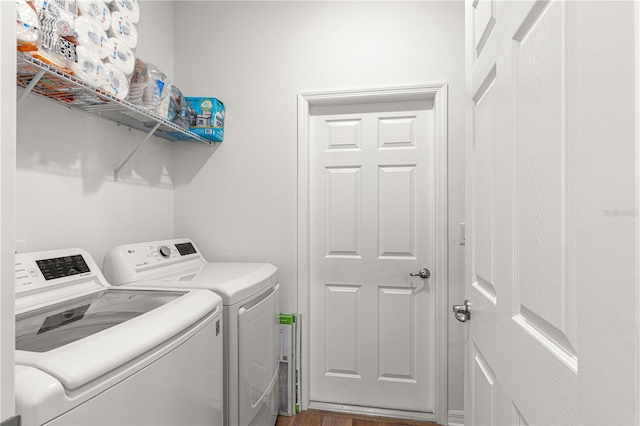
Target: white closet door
<point>371,220</point>
<point>551,213</point>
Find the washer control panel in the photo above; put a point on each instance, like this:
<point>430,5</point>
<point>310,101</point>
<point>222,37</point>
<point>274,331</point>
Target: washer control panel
<point>45,269</point>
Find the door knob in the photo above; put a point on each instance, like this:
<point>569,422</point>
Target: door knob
<point>423,273</point>
<point>462,312</point>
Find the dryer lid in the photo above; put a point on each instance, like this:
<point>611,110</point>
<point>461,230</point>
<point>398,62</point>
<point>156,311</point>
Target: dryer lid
<point>233,281</point>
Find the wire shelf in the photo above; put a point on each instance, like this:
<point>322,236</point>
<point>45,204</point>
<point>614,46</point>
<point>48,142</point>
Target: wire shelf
<point>58,85</point>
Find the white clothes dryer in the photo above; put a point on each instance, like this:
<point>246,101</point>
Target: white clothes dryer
<point>88,353</point>
<point>250,294</point>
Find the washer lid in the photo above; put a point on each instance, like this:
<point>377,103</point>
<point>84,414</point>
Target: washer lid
<point>48,328</point>
<point>81,339</point>
<point>233,281</point>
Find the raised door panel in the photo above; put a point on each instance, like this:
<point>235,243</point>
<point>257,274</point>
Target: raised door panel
<point>342,331</point>
<point>545,295</point>
<point>483,387</point>
<point>484,21</point>
<point>397,132</point>
<point>397,343</point>
<point>396,216</point>
<point>484,148</point>
<point>343,212</point>
<point>344,134</point>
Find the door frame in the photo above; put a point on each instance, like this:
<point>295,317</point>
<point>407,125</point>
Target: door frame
<point>7,213</point>
<point>438,93</point>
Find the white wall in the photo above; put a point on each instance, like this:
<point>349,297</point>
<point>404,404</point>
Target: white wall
<point>239,202</point>
<point>155,34</point>
<point>65,193</point>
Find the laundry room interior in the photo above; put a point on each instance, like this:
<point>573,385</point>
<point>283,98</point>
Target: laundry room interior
<point>247,198</point>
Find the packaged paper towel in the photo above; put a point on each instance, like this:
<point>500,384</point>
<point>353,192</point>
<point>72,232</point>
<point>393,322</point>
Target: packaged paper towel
<point>120,56</point>
<point>124,30</point>
<point>97,10</point>
<point>56,35</point>
<point>27,22</point>
<point>89,67</point>
<point>68,6</point>
<point>60,10</point>
<point>91,36</point>
<point>129,8</point>
<point>116,82</point>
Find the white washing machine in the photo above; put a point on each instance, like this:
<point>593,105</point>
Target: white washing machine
<point>91,354</point>
<point>251,310</point>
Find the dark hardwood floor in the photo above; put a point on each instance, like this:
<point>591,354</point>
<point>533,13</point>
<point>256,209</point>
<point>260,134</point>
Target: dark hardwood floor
<point>327,418</point>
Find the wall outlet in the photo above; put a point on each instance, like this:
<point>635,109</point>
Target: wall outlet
<point>21,246</point>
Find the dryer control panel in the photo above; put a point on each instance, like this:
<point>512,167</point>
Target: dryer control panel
<point>146,255</point>
<point>133,262</point>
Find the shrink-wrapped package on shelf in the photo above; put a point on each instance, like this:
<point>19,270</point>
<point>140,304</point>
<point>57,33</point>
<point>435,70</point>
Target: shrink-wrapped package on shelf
<point>147,88</point>
<point>91,36</point>
<point>97,10</point>
<point>124,30</point>
<point>206,117</point>
<point>120,56</point>
<point>116,83</point>
<point>56,34</point>
<point>89,67</point>
<point>178,111</point>
<point>129,8</point>
<point>26,24</point>
<point>70,6</point>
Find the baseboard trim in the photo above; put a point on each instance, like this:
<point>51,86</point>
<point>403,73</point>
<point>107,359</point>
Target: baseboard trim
<point>370,411</point>
<point>456,418</point>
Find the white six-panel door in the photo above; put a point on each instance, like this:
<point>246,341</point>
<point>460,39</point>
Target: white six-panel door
<point>536,215</point>
<point>371,219</point>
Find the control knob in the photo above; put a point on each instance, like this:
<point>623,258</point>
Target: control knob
<point>164,251</point>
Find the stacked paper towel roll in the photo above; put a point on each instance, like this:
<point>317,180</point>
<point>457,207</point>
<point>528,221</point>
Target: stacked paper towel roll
<point>109,30</point>
<point>116,82</point>
<point>97,38</point>
<point>129,8</point>
<point>27,22</point>
<point>91,36</point>
<point>120,56</point>
<point>89,67</point>
<point>97,10</point>
<point>56,10</point>
<point>55,30</point>
<point>123,29</point>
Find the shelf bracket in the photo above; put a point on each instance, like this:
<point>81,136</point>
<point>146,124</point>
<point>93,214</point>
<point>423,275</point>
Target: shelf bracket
<point>126,160</point>
<point>36,78</point>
